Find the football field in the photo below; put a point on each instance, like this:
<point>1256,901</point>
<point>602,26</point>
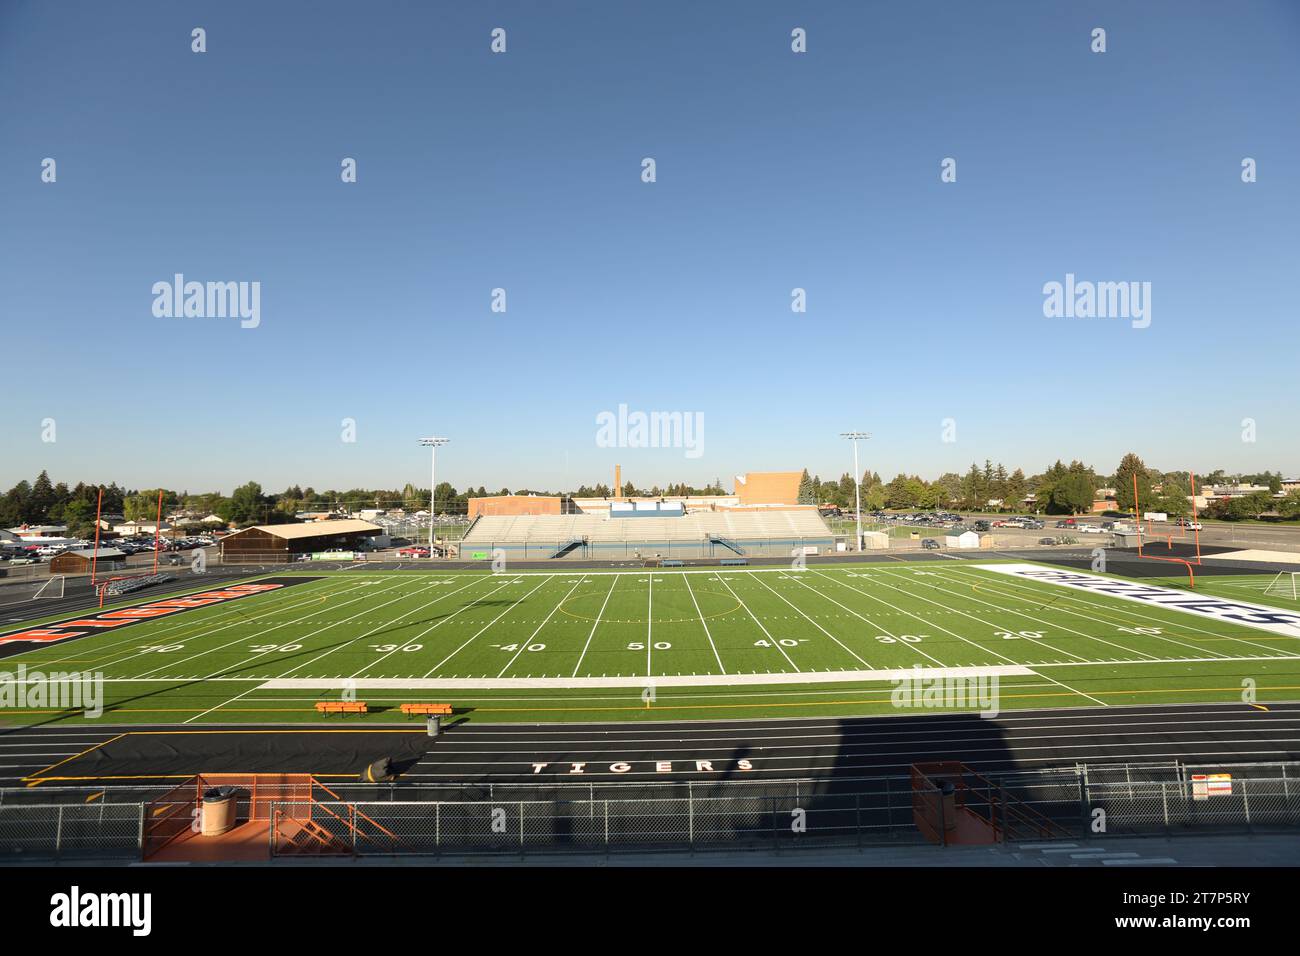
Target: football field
<point>647,644</point>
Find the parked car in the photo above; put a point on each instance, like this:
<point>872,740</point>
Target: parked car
<point>1047,541</point>
<point>25,559</point>
<point>420,552</point>
<point>929,544</point>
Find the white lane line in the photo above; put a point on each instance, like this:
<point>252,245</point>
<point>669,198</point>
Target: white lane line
<point>613,582</point>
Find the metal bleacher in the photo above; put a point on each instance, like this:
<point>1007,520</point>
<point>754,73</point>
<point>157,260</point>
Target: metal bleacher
<point>696,534</point>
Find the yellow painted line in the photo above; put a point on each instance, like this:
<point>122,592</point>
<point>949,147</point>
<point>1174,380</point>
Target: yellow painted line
<point>137,776</point>
<point>95,796</point>
<point>52,766</point>
<point>190,776</point>
<point>279,730</point>
<point>1260,707</point>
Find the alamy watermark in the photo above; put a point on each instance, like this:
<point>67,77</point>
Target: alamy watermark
<point>946,691</point>
<point>625,429</point>
<point>57,690</point>
<point>179,299</point>
<point>1098,300</point>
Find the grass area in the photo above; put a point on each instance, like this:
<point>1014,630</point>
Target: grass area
<point>847,526</point>
<point>665,644</point>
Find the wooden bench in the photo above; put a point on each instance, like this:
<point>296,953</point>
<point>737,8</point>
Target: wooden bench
<point>412,710</point>
<point>327,707</point>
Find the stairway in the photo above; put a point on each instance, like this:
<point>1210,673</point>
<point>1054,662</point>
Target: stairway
<point>726,543</point>
<point>568,546</point>
<point>308,838</point>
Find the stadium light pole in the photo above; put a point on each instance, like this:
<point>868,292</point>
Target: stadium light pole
<point>857,478</point>
<point>432,444</point>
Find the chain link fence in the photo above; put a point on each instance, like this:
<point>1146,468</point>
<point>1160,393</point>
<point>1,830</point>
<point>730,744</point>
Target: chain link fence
<point>70,831</point>
<point>1086,801</point>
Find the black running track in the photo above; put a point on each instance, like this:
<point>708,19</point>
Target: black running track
<point>826,748</point>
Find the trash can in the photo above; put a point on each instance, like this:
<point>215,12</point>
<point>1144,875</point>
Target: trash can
<point>218,810</point>
<point>433,725</point>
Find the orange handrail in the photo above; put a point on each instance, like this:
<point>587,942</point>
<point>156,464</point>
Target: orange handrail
<point>363,816</point>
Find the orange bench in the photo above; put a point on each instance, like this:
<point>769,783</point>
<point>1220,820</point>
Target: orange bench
<point>328,707</point>
<point>410,710</point>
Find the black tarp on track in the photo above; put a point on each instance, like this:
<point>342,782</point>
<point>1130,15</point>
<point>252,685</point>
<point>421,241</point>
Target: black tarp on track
<point>174,753</point>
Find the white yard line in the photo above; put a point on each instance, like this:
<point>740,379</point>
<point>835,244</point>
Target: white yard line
<point>1038,620</point>
<point>679,680</point>
<point>595,625</point>
<point>867,620</point>
<point>449,617</point>
<point>1034,640</point>
<point>1267,617</point>
<point>704,624</point>
<point>818,626</point>
<point>935,624</point>
<point>649,624</point>
<point>245,638</point>
<point>524,644</point>
<point>360,637</point>
<point>183,619</point>
<point>1125,610</point>
<point>775,643</point>
<point>546,580</point>
<point>365,610</point>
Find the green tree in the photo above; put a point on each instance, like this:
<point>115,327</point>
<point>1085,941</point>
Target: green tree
<point>246,504</point>
<point>1129,467</point>
<point>1172,499</point>
<point>1016,490</point>
<point>1289,507</point>
<point>806,496</point>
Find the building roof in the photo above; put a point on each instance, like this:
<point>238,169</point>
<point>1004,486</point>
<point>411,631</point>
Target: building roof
<point>315,529</point>
<point>103,553</point>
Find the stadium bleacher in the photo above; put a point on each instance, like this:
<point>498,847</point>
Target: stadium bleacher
<point>117,586</point>
<point>772,532</point>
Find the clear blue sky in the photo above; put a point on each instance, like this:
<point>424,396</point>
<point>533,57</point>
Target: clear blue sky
<point>522,171</point>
